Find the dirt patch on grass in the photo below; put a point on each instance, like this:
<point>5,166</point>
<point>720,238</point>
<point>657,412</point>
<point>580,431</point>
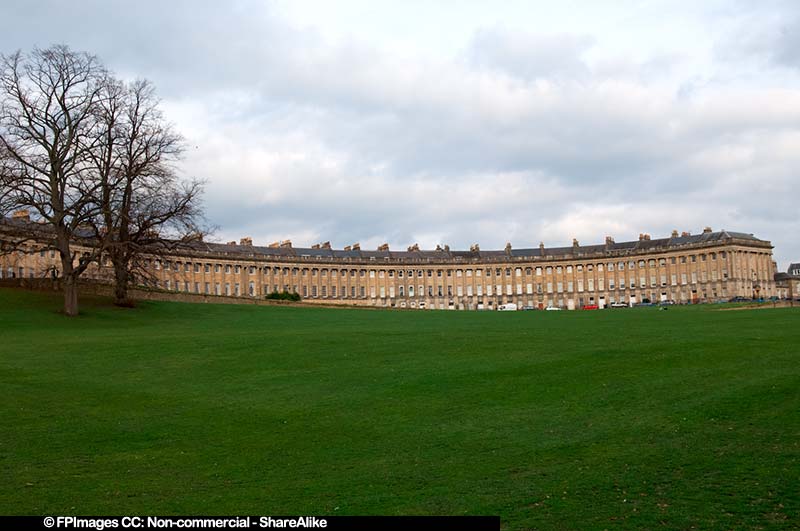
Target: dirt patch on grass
<point>763,306</point>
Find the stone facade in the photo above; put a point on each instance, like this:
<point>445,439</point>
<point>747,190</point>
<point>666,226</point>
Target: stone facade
<point>788,284</point>
<point>707,267</point>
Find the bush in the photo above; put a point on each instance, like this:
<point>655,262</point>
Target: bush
<point>283,296</point>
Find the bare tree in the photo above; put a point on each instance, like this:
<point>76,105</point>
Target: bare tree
<point>147,208</point>
<point>49,103</point>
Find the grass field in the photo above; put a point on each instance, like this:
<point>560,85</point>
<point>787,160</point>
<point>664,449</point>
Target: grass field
<point>623,419</point>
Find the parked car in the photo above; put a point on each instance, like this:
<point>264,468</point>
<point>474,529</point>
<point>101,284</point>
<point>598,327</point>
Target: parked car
<point>528,308</point>
<point>738,299</point>
<point>510,307</point>
<point>553,309</point>
<point>590,307</point>
<point>667,303</point>
<point>619,305</point>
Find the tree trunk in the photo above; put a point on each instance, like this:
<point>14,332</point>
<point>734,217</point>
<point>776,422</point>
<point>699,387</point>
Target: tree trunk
<point>70,295</point>
<point>121,284</point>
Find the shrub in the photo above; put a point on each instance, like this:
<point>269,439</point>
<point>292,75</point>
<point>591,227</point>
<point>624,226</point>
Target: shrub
<point>283,296</point>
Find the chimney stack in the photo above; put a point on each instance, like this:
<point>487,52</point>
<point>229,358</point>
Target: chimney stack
<point>246,241</point>
<point>384,247</point>
<point>286,244</point>
<point>707,230</point>
<point>474,248</point>
<point>674,233</point>
<point>414,247</point>
<point>21,215</point>
<point>356,246</point>
<point>274,245</point>
<point>541,248</point>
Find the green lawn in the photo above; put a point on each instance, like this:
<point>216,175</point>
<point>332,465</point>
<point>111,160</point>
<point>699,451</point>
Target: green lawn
<point>618,419</point>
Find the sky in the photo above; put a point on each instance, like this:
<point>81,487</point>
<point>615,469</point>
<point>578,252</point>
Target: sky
<point>462,122</point>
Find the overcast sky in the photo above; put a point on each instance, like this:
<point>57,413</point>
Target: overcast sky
<point>459,122</point>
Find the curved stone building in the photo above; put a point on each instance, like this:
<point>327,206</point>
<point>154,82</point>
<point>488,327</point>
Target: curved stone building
<point>684,268</point>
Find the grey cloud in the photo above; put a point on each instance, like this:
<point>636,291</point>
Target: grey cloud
<point>530,56</point>
<point>519,138</point>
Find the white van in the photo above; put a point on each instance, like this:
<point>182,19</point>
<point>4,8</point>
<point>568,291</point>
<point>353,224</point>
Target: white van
<point>510,307</point>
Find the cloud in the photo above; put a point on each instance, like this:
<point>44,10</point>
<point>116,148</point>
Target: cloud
<point>542,133</point>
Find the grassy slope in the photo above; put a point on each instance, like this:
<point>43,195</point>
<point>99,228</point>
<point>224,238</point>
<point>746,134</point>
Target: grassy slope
<point>573,420</point>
